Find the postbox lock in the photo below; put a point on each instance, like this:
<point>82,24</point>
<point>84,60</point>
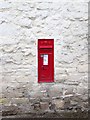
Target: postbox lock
<point>41,55</point>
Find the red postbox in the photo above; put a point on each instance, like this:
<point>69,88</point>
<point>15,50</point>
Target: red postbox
<point>45,60</point>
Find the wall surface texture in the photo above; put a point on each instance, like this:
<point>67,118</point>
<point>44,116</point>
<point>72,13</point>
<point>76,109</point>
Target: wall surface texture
<point>22,23</point>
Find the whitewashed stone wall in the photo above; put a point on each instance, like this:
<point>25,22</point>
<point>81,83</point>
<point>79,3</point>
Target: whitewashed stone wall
<point>22,23</point>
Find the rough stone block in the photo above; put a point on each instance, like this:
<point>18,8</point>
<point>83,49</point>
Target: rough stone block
<point>61,77</point>
<point>55,90</point>
<point>59,104</point>
<point>83,68</point>
<point>44,99</point>
<point>81,90</point>
<point>9,110</point>
<point>44,105</point>
<point>34,100</point>
<point>73,103</point>
<point>37,106</point>
<point>20,101</point>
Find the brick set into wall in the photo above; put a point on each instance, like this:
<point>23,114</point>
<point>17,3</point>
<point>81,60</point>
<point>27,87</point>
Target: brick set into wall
<point>22,23</point>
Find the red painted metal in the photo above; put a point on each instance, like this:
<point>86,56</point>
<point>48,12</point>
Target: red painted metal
<point>45,60</point>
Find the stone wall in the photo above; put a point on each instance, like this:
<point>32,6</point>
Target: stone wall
<point>22,23</point>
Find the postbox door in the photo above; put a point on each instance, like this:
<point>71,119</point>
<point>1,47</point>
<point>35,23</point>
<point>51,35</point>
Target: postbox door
<point>46,67</point>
